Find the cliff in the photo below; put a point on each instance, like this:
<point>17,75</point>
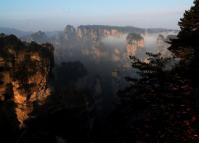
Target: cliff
<point>25,73</point>
<point>69,32</point>
<point>134,42</point>
<point>97,32</point>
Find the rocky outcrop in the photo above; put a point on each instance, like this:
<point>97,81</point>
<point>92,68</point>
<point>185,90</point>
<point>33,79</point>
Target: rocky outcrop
<point>134,42</point>
<point>97,32</point>
<point>91,41</point>
<point>25,73</point>
<point>69,32</point>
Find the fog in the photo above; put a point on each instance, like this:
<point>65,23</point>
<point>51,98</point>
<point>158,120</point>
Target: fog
<point>107,62</point>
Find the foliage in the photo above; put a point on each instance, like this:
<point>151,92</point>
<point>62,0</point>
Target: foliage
<point>186,46</point>
<point>133,37</point>
<point>162,105</point>
<point>189,25</point>
<point>158,106</point>
<point>190,21</point>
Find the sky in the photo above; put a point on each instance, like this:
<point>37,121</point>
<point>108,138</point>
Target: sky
<point>51,15</point>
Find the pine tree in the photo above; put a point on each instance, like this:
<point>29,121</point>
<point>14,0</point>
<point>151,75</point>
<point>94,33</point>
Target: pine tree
<point>190,21</point>
<point>162,105</point>
<point>151,103</point>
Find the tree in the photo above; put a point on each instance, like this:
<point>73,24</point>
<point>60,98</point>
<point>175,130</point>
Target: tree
<point>157,106</point>
<point>190,21</point>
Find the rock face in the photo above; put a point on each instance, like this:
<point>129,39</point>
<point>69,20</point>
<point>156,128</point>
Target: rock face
<point>95,33</point>
<point>88,40</point>
<point>25,72</point>
<point>69,32</point>
<point>134,42</point>
<point>92,35</point>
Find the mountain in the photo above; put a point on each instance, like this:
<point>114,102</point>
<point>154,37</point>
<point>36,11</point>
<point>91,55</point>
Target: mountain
<point>125,29</point>
<point>13,31</point>
<point>87,40</point>
<point>134,43</point>
<point>159,30</point>
<point>26,70</point>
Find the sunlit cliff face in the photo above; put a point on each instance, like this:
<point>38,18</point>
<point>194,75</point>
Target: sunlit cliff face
<point>24,100</point>
<point>26,70</point>
<point>38,91</point>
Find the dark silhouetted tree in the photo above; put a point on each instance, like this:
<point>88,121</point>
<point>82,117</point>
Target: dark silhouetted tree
<point>157,105</point>
<point>190,21</point>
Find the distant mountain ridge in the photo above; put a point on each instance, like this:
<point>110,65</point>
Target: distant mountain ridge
<point>128,29</point>
<point>16,32</point>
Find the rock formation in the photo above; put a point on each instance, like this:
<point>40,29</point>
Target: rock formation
<point>25,72</point>
<point>134,42</point>
<point>69,32</point>
<point>96,33</point>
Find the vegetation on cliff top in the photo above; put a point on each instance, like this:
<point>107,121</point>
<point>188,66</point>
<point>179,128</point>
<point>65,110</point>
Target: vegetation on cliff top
<point>133,37</point>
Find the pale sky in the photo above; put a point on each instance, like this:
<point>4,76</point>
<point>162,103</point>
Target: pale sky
<point>49,15</point>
